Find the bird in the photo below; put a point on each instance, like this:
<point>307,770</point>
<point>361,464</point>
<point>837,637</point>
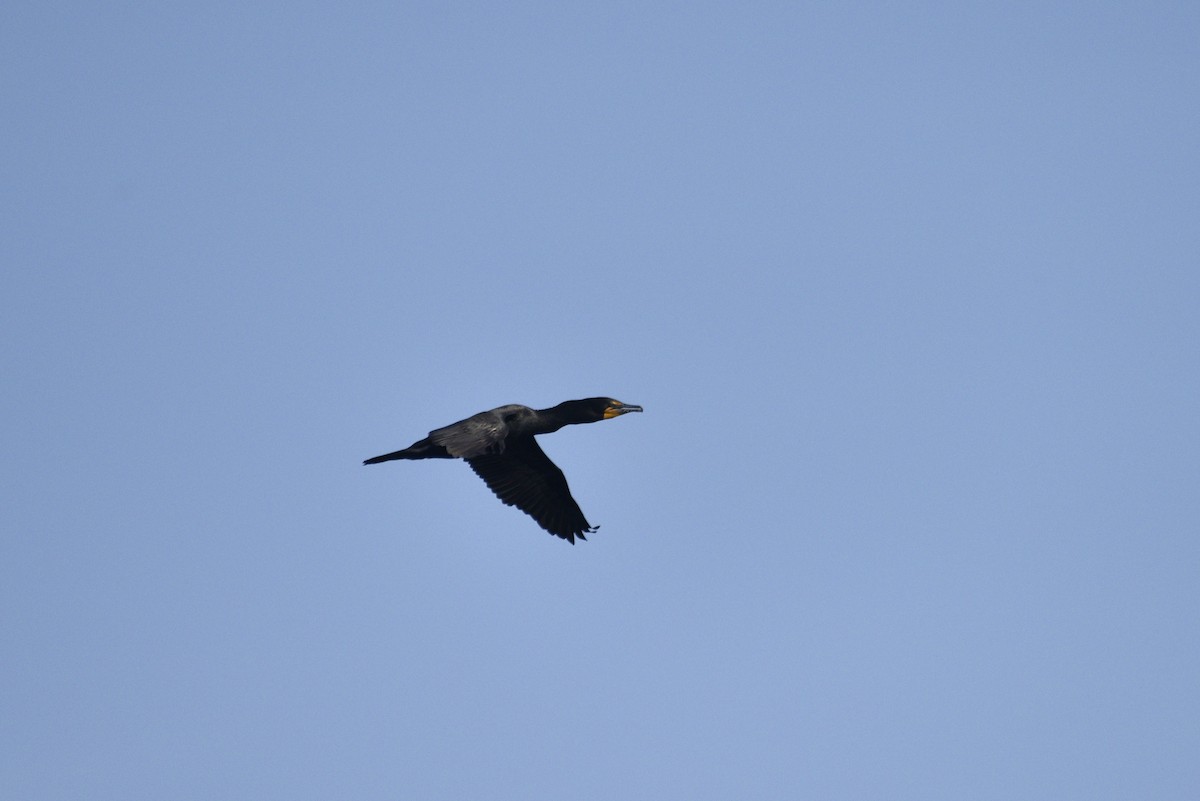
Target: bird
<point>501,448</point>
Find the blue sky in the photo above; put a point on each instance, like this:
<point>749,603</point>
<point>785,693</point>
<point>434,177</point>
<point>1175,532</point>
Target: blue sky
<point>908,292</point>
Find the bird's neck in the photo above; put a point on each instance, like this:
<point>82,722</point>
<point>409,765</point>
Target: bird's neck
<point>554,418</point>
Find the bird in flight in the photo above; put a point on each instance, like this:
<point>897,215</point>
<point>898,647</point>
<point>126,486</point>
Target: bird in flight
<point>501,449</point>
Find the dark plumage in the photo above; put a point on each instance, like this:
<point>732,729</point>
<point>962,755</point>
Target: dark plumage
<point>501,449</point>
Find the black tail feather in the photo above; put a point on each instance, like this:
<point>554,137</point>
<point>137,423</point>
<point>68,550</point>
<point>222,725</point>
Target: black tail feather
<point>418,450</point>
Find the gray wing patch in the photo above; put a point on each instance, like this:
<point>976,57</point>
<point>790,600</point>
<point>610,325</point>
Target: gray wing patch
<point>479,434</point>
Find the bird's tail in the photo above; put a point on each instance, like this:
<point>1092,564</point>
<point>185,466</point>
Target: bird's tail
<point>418,450</point>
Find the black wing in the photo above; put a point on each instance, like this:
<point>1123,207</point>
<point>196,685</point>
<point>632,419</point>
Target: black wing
<point>523,476</point>
<point>478,434</point>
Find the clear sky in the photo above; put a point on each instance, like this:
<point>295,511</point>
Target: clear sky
<point>908,291</point>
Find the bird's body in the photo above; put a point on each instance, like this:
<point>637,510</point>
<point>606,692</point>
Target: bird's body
<point>501,449</point>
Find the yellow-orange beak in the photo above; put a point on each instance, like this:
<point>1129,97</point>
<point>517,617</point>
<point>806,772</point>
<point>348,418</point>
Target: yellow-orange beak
<point>616,409</point>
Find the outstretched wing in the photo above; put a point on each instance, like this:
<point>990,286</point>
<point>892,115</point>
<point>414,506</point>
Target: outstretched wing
<point>523,476</point>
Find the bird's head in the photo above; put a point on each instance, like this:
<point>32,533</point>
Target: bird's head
<point>589,410</point>
<point>614,408</point>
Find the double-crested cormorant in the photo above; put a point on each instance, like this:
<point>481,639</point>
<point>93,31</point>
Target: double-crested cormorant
<point>501,449</point>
